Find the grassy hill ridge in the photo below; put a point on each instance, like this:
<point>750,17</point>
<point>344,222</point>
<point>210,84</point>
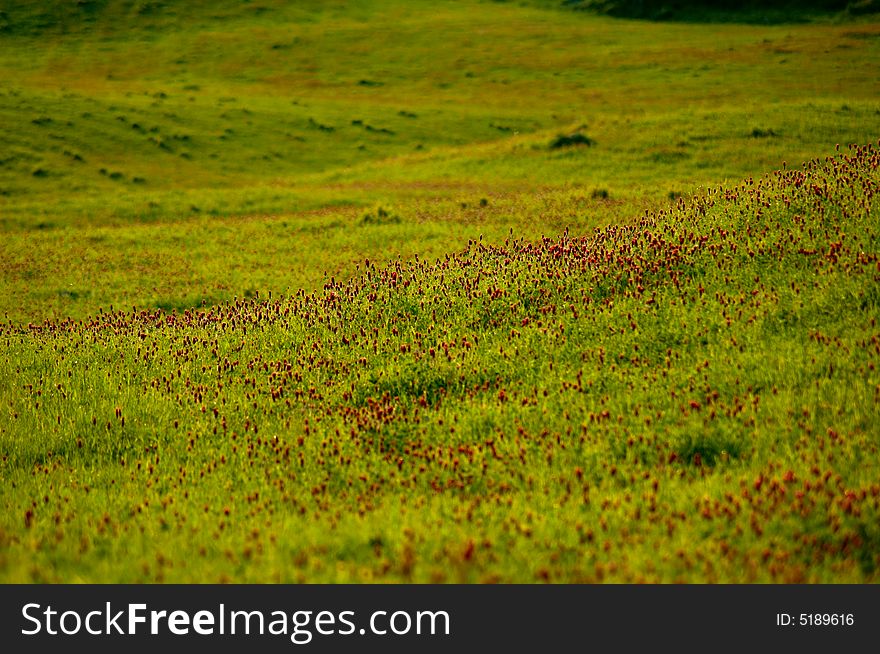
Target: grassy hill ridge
<point>688,397</point>
<point>436,292</point>
<point>131,156</point>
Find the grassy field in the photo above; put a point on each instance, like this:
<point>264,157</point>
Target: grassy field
<point>450,292</point>
<point>185,152</point>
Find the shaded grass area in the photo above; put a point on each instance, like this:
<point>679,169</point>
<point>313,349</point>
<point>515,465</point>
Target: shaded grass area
<point>755,11</point>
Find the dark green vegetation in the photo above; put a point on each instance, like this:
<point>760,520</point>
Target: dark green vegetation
<point>691,397</point>
<point>754,11</point>
<point>327,291</point>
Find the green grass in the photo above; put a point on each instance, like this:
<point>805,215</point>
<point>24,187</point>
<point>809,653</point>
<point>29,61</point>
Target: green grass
<point>191,116</point>
<point>451,292</point>
<point>689,398</point>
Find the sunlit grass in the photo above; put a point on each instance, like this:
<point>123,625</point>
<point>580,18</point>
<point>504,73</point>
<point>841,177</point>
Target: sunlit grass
<point>435,292</point>
<point>188,115</point>
<point>692,397</point>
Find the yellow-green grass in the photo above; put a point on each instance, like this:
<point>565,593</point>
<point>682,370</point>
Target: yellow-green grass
<point>692,397</point>
<point>448,291</point>
<point>210,120</point>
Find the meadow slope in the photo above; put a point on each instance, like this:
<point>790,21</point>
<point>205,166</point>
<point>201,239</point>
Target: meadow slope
<point>179,154</point>
<point>692,396</point>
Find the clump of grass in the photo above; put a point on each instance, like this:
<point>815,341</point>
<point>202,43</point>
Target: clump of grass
<point>703,449</point>
<point>320,126</point>
<point>759,133</point>
<point>380,215</point>
<point>571,140</point>
<point>667,156</point>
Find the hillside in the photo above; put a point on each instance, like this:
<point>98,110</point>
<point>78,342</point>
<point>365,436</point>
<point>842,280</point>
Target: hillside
<point>450,291</point>
<point>688,396</point>
<point>175,155</point>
